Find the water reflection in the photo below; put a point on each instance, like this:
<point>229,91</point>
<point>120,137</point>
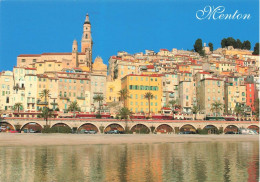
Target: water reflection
<point>217,161</point>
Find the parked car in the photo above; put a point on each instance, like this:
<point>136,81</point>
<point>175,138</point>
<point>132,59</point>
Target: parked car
<point>230,133</point>
<point>90,132</point>
<point>113,132</point>
<point>187,132</point>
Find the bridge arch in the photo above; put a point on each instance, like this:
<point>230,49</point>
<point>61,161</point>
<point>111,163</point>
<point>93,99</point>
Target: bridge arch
<point>212,129</point>
<point>34,126</point>
<point>164,128</point>
<point>88,126</point>
<point>254,127</point>
<point>231,128</point>
<point>114,126</point>
<point>61,128</point>
<point>187,127</point>
<point>140,129</point>
<point>6,125</point>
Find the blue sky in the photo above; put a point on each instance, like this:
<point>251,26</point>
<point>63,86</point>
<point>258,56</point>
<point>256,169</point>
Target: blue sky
<point>34,27</point>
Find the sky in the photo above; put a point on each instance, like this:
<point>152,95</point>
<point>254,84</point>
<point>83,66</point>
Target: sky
<point>35,27</point>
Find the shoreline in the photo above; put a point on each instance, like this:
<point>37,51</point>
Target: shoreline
<point>11,139</point>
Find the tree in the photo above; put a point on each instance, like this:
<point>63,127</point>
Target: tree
<point>123,95</point>
<point>216,106</point>
<point>256,49</point>
<point>99,98</point>
<point>238,44</point>
<point>18,106</point>
<point>148,96</point>
<point>74,107</point>
<point>173,104</point>
<point>239,109</point>
<point>211,47</point>
<point>195,109</point>
<point>45,93</point>
<point>46,113</point>
<point>223,43</point>
<point>125,113</point>
<point>198,47</point>
<point>246,45</point>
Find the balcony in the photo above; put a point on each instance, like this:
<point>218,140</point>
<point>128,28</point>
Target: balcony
<point>64,97</point>
<point>54,103</point>
<point>81,98</point>
<point>42,103</point>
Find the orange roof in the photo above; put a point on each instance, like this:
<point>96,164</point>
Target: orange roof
<point>29,55</point>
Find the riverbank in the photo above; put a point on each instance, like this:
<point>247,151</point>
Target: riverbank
<point>27,139</point>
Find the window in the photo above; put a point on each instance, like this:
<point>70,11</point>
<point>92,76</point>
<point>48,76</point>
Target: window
<point>187,97</point>
<point>60,80</point>
<point>34,60</point>
<point>243,93</point>
<point>136,96</point>
<point>136,78</point>
<point>49,65</point>
<point>23,60</point>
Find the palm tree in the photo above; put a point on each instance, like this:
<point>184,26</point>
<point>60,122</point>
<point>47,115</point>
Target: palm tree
<point>125,113</point>
<point>173,103</point>
<point>74,107</point>
<point>18,106</point>
<point>46,113</point>
<point>195,109</point>
<point>123,95</point>
<point>98,98</point>
<point>216,106</point>
<point>148,96</point>
<point>45,93</point>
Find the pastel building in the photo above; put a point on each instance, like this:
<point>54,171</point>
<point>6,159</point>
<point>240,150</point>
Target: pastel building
<point>6,85</point>
<point>138,86</point>
<point>210,90</point>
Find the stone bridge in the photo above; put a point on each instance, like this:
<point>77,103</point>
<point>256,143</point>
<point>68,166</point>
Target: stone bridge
<point>99,125</point>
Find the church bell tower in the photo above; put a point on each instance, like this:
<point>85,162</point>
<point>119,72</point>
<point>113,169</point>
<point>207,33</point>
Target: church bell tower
<point>86,41</point>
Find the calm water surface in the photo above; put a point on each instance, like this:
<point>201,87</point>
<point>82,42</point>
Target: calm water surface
<point>217,161</point>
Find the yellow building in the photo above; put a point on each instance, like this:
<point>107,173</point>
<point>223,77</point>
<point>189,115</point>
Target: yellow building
<point>138,86</point>
<point>112,91</point>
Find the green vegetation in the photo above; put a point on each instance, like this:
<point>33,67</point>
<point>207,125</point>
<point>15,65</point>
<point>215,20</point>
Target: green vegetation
<point>46,113</point>
<point>256,49</point>
<point>18,106</point>
<point>101,128</point>
<point>99,98</point>
<point>173,104</point>
<point>217,107</point>
<point>152,128</point>
<point>74,107</point>
<point>149,96</point>
<point>123,93</point>
<point>198,47</point>
<point>45,93</point>
<point>57,129</point>
<point>237,44</point>
<point>195,110</point>
<point>211,46</point>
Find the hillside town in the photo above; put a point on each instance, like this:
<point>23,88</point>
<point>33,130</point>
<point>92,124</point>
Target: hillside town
<point>179,84</point>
